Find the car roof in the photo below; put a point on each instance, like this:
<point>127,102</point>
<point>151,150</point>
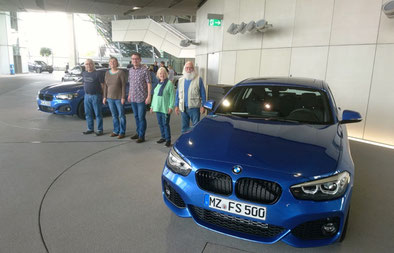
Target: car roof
<point>287,81</point>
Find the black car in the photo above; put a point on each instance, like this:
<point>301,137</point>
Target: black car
<point>40,66</point>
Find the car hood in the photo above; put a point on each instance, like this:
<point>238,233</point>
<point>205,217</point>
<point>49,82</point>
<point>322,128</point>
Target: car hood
<point>64,87</point>
<point>307,150</point>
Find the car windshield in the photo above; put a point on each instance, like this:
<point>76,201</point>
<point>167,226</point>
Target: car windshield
<point>41,63</point>
<point>277,103</point>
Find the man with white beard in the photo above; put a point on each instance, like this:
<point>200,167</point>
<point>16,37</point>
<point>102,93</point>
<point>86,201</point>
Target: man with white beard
<point>190,96</point>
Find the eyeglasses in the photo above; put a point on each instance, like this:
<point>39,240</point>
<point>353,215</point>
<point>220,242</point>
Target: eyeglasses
<point>189,67</point>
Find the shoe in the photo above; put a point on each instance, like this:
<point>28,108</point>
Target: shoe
<point>161,140</point>
<point>113,135</point>
<point>134,137</point>
<point>168,144</point>
<point>99,133</point>
<point>121,136</point>
<point>88,132</point>
<point>140,140</point>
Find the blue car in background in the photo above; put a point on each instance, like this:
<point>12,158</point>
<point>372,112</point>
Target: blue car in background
<point>66,98</point>
<point>271,162</point>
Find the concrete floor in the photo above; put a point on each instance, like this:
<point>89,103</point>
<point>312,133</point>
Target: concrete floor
<point>61,191</point>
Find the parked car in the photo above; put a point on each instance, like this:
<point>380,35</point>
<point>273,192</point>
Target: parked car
<point>271,162</point>
<point>75,74</point>
<point>40,66</point>
<point>67,98</point>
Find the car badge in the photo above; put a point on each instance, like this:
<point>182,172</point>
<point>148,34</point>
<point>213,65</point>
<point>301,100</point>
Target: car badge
<point>237,169</point>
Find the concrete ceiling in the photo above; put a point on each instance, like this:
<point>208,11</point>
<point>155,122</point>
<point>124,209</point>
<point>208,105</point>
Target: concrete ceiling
<point>107,7</point>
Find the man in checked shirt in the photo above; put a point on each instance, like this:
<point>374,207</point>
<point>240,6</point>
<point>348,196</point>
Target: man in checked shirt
<point>139,95</point>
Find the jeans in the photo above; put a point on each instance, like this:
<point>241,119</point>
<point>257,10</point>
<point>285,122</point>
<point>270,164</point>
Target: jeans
<point>192,114</point>
<point>139,110</point>
<point>93,104</point>
<point>164,125</point>
<point>117,111</point>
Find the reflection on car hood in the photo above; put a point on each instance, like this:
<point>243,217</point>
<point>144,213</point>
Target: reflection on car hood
<point>276,146</point>
<point>62,87</point>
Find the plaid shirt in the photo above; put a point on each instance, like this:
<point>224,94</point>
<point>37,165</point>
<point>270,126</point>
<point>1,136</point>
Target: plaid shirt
<point>138,80</point>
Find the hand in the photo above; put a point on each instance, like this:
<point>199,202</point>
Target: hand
<point>177,110</point>
<point>147,101</point>
<point>169,110</point>
<point>122,101</point>
<point>151,110</point>
<point>104,101</point>
<point>202,110</point>
<point>129,98</point>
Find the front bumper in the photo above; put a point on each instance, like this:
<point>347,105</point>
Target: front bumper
<point>64,107</point>
<point>293,221</point>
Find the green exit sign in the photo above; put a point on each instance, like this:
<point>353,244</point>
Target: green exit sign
<point>215,22</point>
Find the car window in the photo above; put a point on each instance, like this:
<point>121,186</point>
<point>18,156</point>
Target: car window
<point>278,103</point>
<point>76,71</point>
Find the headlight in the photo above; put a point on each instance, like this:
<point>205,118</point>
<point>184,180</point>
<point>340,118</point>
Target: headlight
<point>66,96</point>
<point>322,189</point>
<point>176,164</point>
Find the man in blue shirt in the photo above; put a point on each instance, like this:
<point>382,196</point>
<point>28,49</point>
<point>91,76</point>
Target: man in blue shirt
<point>190,97</point>
<point>92,84</point>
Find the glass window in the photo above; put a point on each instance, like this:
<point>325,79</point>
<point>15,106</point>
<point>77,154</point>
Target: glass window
<point>278,103</point>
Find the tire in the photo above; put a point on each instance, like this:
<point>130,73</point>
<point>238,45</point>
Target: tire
<point>81,110</point>
<point>343,235</point>
<point>50,71</point>
<point>38,70</point>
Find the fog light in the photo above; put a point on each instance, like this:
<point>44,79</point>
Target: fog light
<point>329,228</point>
<point>167,190</point>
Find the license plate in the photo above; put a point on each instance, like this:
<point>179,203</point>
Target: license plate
<point>46,103</point>
<point>235,207</point>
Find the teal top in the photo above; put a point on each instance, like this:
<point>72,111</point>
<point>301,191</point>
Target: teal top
<point>165,102</point>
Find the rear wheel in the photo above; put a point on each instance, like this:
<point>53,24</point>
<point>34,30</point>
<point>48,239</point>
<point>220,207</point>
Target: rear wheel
<point>50,71</point>
<point>81,110</point>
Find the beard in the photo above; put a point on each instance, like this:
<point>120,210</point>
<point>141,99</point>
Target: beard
<point>189,76</point>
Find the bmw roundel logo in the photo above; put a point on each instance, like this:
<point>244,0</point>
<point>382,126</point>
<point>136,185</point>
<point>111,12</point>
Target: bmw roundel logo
<point>237,169</point>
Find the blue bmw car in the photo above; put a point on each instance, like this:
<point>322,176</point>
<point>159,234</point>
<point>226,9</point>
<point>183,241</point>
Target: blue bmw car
<point>270,162</point>
<point>67,98</point>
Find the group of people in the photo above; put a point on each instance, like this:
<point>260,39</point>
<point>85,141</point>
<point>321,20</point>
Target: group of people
<point>144,88</point>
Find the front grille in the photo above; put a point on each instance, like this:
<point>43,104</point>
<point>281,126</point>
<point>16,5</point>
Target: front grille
<point>215,182</point>
<point>46,97</point>
<point>46,108</point>
<point>312,230</point>
<point>236,224</point>
<point>257,190</point>
<point>173,196</point>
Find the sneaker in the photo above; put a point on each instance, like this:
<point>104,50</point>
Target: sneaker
<point>134,137</point>
<point>168,144</point>
<point>99,133</point>
<point>161,140</point>
<point>113,135</point>
<point>140,140</point>
<point>88,132</point>
<point>121,136</point>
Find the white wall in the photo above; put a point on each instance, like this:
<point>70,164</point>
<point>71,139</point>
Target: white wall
<point>348,43</point>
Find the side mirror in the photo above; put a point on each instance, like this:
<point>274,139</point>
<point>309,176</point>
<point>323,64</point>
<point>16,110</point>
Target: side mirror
<point>350,117</point>
<point>209,104</point>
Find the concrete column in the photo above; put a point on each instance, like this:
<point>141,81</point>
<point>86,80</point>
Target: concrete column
<point>4,47</point>
<point>72,57</point>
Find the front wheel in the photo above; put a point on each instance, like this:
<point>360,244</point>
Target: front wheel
<point>50,71</point>
<point>81,110</point>
<point>38,70</point>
